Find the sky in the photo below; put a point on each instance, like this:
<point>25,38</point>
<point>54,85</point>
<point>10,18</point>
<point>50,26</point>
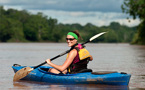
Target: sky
<point>97,12</point>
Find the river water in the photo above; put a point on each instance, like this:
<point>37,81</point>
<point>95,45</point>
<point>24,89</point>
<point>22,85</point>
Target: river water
<point>107,57</point>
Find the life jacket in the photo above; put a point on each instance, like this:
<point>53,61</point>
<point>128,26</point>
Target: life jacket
<point>80,61</point>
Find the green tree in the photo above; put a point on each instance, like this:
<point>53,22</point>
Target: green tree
<point>136,9</point>
<point>10,27</point>
<point>36,27</point>
<point>16,31</point>
<point>5,33</point>
<point>111,36</point>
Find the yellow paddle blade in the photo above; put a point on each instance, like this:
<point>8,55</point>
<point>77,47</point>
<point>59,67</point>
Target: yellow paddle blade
<point>22,73</point>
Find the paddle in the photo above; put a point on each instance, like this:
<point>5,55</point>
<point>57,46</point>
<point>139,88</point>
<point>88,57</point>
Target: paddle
<point>25,71</point>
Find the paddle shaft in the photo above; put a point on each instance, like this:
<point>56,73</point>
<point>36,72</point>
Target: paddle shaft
<point>58,56</point>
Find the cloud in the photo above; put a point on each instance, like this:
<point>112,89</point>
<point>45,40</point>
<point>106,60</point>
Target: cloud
<point>96,18</point>
<point>97,12</point>
<point>67,5</point>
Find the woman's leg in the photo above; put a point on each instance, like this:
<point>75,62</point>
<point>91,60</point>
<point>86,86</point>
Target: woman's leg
<point>52,70</point>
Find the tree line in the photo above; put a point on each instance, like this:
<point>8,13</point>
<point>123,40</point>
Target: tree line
<point>22,26</point>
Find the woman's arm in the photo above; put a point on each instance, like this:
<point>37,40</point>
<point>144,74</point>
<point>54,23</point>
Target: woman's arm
<point>66,64</point>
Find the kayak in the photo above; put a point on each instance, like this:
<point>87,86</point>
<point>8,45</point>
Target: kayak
<point>41,74</point>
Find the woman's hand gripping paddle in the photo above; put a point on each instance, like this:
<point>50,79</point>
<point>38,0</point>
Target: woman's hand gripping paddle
<point>25,71</point>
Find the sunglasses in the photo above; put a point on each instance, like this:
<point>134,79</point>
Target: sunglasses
<point>71,39</point>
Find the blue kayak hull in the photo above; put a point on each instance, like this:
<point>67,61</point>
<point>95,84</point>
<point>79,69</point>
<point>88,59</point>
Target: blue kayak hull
<point>80,78</point>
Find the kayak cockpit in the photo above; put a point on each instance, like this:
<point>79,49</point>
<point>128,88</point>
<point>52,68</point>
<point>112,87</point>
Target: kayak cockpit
<point>44,69</point>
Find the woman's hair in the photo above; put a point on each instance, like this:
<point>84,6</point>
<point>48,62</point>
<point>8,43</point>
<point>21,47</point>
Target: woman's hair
<point>77,33</point>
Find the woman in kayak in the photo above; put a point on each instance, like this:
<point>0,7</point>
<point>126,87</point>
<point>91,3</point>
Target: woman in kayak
<point>77,58</point>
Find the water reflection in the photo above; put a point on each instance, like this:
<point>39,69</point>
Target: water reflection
<point>41,85</point>
<point>20,85</point>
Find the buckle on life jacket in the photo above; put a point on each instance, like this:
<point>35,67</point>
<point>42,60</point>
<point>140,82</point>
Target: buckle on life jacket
<point>83,54</point>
